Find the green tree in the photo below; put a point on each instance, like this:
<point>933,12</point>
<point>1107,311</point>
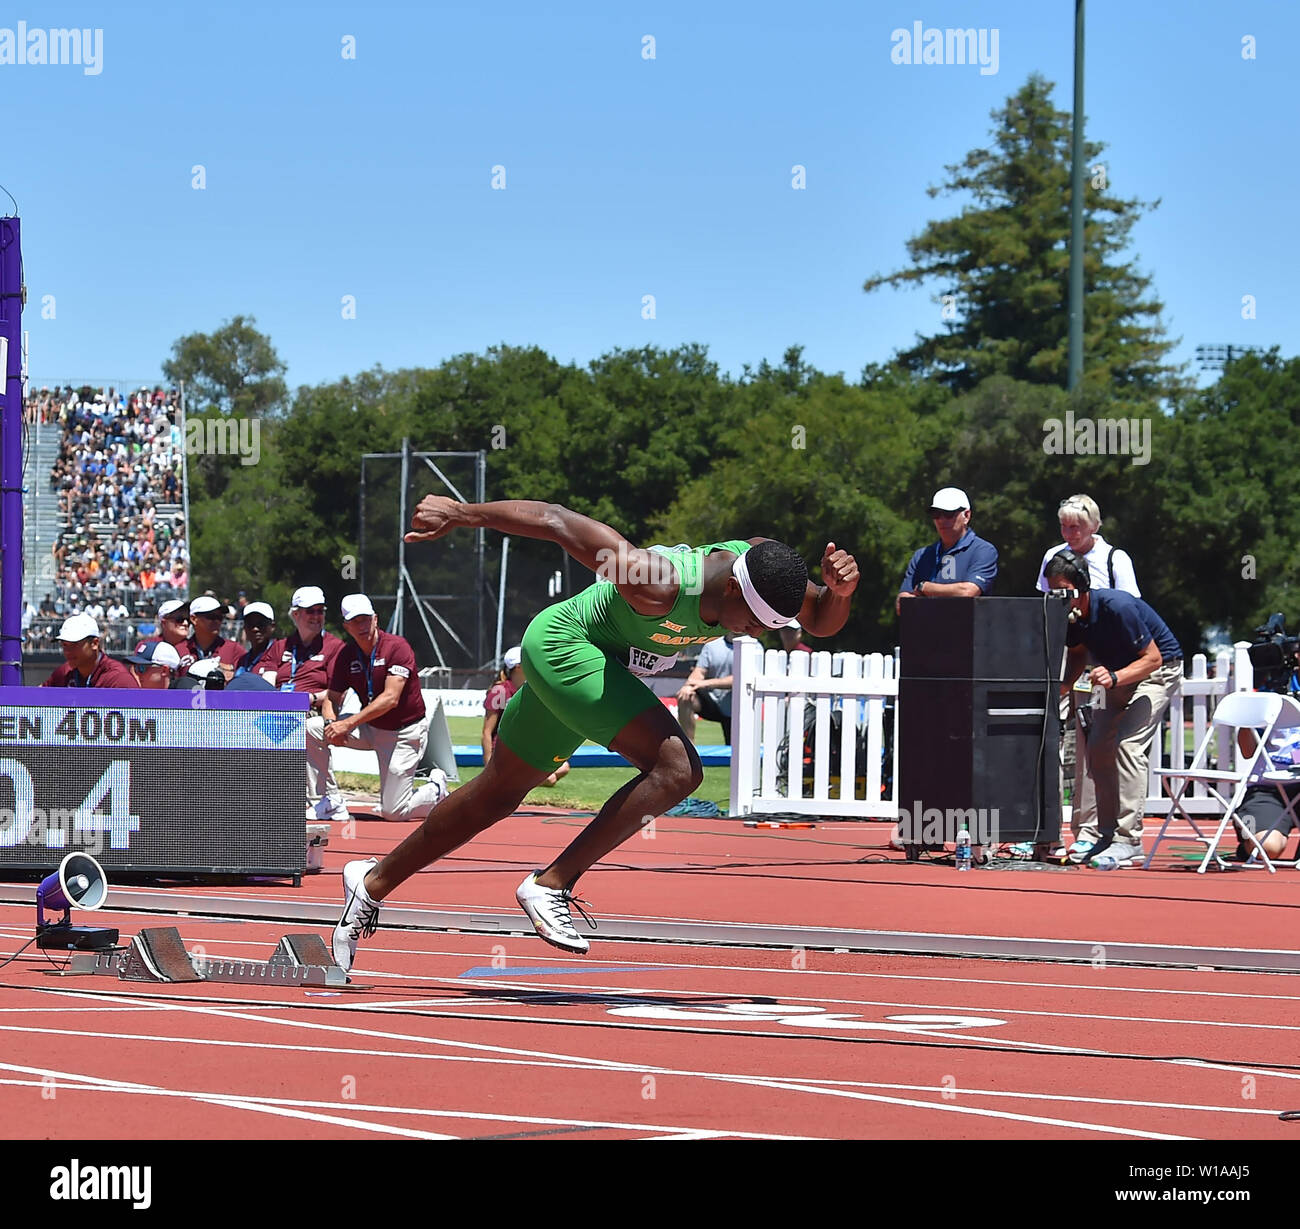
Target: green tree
<point>235,369</point>
<point>1005,260</point>
<point>1224,505</point>
<point>819,461</point>
<point>230,376</point>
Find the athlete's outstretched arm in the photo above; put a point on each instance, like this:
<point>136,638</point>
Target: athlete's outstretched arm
<point>644,578</point>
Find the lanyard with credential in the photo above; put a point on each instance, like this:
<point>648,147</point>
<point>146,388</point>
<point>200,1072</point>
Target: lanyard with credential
<point>370,687</point>
<point>294,668</point>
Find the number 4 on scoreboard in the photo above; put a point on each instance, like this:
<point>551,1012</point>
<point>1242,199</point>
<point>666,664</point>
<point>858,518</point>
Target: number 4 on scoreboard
<point>119,823</point>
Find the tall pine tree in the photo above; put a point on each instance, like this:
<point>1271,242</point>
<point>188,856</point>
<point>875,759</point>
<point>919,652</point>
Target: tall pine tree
<point>1005,257</point>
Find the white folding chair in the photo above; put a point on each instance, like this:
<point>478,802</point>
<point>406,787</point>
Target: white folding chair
<point>1265,713</point>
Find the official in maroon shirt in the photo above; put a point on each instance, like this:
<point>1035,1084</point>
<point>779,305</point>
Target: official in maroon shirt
<point>302,662</point>
<point>206,613</point>
<point>85,662</point>
<point>173,629</point>
<point>259,631</point>
<point>381,669</point>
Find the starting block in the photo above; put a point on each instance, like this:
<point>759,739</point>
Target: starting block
<point>159,955</point>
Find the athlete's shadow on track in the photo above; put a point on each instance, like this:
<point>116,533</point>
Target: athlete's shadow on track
<point>574,998</point>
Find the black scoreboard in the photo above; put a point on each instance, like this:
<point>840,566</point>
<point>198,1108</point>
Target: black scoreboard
<point>163,782</point>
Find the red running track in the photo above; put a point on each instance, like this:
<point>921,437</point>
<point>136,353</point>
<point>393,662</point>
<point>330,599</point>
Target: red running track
<point>478,1036</point>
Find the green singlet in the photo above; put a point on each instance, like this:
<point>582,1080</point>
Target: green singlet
<point>582,656</point>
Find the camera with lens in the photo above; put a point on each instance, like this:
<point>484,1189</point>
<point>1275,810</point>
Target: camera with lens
<point>1273,656</point>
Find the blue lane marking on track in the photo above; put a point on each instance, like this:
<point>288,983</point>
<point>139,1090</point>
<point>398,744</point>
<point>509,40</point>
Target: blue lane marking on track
<point>484,970</point>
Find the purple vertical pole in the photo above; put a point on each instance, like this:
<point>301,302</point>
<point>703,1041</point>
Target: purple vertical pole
<point>11,456</point>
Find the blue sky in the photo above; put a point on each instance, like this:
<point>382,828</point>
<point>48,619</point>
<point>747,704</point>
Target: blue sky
<point>625,176</point>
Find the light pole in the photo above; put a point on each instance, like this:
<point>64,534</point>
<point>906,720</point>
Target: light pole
<point>1076,209</point>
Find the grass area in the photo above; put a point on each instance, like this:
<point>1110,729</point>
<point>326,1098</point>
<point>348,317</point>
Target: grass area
<point>584,789</point>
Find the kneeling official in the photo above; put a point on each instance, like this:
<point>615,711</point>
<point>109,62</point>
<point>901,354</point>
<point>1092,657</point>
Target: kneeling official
<point>380,668</point>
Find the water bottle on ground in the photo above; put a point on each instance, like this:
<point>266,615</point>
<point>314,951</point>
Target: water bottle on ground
<point>1104,862</point>
<point>963,849</point>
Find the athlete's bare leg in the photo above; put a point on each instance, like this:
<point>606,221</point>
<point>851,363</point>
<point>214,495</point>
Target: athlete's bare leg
<point>670,770</point>
<point>469,810</point>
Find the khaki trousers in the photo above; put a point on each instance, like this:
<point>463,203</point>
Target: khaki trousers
<point>1112,758</point>
<point>399,753</point>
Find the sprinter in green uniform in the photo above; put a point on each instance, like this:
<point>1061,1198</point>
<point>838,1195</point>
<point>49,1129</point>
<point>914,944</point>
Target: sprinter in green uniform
<point>582,659</point>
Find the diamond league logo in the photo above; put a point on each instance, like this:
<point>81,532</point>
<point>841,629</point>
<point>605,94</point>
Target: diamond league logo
<point>277,726</point>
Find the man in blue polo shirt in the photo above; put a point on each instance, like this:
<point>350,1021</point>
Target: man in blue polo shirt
<point>959,564</point>
<point>1133,657</point>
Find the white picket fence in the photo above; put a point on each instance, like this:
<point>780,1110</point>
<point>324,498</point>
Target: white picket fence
<point>771,692</point>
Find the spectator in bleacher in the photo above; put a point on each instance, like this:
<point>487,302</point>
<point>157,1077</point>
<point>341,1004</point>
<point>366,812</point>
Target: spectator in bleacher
<point>207,614</point>
<point>959,564</point>
<point>1132,656</point>
<point>304,662</point>
<point>155,665</point>
<point>1108,566</point>
<point>85,664</point>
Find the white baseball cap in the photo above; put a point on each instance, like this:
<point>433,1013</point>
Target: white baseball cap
<point>206,605</point>
<point>258,608</point>
<point>157,653</point>
<point>203,669</point>
<point>167,609</point>
<point>355,605</point>
<point>308,595</point>
<point>511,658</point>
<point>78,627</point>
<point>950,499</point>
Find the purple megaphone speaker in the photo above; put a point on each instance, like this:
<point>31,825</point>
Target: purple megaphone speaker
<point>79,883</point>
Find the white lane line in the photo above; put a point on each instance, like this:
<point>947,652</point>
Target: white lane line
<point>63,1011</point>
<point>257,1105</point>
<point>225,939</point>
<point>1049,1096</point>
<point>262,1103</point>
<point>905,977</point>
<point>601,1065</point>
<point>607,991</point>
<point>720,1077</point>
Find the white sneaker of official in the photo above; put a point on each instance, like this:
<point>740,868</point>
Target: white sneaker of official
<point>429,794</point>
<point>332,810</point>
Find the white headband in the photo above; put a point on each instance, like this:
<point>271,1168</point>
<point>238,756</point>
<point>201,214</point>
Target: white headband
<point>765,614</point>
